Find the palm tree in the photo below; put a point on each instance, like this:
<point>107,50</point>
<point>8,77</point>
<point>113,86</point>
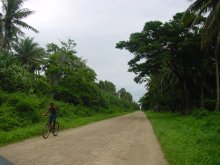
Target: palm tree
<point>1,30</point>
<point>211,30</point>
<point>29,53</point>
<point>11,22</point>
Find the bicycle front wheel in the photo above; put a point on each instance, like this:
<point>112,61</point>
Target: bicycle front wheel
<point>46,131</point>
<point>56,129</point>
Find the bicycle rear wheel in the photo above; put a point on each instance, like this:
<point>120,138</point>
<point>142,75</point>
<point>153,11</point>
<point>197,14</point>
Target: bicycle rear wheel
<point>46,131</point>
<point>56,129</point>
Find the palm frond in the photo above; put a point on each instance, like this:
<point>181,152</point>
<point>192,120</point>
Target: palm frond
<point>11,21</point>
<point>11,6</point>
<point>29,52</point>
<point>212,26</point>
<point>21,33</point>
<point>25,25</point>
<point>196,6</point>
<point>23,13</point>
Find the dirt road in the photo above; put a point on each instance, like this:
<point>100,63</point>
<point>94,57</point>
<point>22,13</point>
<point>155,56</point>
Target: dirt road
<point>126,140</point>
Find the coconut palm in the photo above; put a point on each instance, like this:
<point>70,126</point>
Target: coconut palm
<point>11,21</point>
<point>29,53</point>
<point>211,30</point>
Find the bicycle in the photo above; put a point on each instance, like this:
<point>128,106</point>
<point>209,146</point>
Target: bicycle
<point>47,129</point>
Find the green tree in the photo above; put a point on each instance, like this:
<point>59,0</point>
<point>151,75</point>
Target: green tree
<point>13,76</point>
<point>65,47</point>
<point>107,86</point>
<point>211,31</point>
<point>71,79</point>
<point>30,54</point>
<point>11,22</point>
<point>168,58</point>
<point>124,95</point>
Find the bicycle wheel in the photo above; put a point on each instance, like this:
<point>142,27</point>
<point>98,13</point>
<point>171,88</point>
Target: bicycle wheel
<point>46,131</point>
<point>56,129</point>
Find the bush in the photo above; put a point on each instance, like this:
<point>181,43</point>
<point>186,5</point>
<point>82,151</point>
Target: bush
<point>210,104</point>
<point>8,118</point>
<point>41,85</point>
<point>66,109</point>
<point>24,107</point>
<point>15,78</point>
<point>199,112</point>
<point>28,111</point>
<point>3,97</point>
<point>84,111</point>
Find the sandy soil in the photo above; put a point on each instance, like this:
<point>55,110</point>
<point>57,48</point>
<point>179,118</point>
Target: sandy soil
<point>125,140</point>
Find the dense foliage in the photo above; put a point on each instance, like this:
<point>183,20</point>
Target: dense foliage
<point>31,77</point>
<point>61,77</point>
<point>168,58</point>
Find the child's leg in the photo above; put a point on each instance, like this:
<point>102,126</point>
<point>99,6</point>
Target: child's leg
<point>50,122</point>
<point>54,120</point>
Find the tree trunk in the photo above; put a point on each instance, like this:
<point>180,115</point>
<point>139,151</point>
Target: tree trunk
<point>217,72</point>
<point>202,94</point>
<point>186,97</point>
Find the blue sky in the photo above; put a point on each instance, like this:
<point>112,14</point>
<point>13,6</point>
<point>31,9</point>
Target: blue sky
<point>96,26</point>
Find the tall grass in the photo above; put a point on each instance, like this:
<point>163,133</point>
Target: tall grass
<point>188,140</point>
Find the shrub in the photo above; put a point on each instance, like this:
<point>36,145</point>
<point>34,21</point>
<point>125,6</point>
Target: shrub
<point>8,118</point>
<point>15,78</point>
<point>24,107</point>
<point>27,107</point>
<point>41,85</point>
<point>210,104</point>
<point>84,111</point>
<point>28,111</point>
<point>66,109</point>
<point>199,112</point>
<point>3,97</point>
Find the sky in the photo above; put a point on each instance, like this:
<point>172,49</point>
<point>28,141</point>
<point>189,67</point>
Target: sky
<point>96,26</point>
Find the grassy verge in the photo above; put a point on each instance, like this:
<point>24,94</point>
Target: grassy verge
<point>188,140</point>
<point>20,134</point>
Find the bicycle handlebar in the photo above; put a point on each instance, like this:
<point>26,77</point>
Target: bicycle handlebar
<point>44,114</point>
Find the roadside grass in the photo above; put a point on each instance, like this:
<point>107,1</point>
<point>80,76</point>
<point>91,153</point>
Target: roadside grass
<point>20,134</point>
<point>188,140</point>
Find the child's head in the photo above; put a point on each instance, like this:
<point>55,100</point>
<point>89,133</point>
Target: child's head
<point>51,104</point>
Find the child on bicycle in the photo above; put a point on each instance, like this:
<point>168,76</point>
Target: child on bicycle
<point>53,114</point>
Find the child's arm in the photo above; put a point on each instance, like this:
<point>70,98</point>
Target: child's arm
<point>45,113</point>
